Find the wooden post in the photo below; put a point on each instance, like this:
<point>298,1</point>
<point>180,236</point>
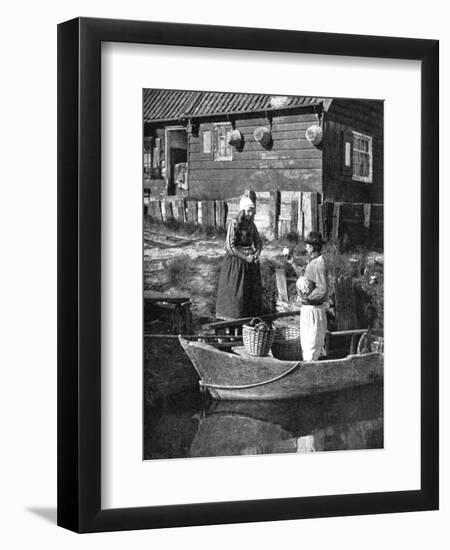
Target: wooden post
<point>306,209</point>
<point>212,213</point>
<point>170,215</point>
<point>209,217</point>
<point>167,210</point>
<point>163,210</point>
<point>154,210</point>
<point>320,220</point>
<point>336,222</point>
<point>274,212</point>
<point>285,213</point>
<point>218,213</point>
<point>314,216</point>
<point>192,213</point>
<point>221,214</point>
<point>327,220</point>
<point>345,303</point>
<point>367,208</point>
<point>367,212</point>
<point>300,217</point>
<point>376,226</point>
<point>205,213</point>
<point>294,213</point>
<point>281,285</point>
<point>310,213</point>
<point>180,209</point>
<point>175,208</point>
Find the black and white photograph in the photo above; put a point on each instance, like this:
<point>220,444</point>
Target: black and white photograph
<point>263,265</point>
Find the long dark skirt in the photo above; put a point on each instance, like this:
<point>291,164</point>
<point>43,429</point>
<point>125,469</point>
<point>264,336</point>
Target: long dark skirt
<point>240,289</point>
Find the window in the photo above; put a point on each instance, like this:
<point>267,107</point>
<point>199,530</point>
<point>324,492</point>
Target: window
<point>362,157</point>
<point>148,155</point>
<point>222,147</point>
<point>207,141</point>
<point>152,157</point>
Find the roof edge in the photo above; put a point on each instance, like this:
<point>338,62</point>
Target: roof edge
<point>316,106</point>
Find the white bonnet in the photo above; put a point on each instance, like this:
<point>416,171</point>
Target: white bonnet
<point>246,203</point>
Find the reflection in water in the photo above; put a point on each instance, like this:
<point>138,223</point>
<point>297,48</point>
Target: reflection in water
<point>351,419</point>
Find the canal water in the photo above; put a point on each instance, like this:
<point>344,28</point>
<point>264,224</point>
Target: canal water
<point>194,426</point>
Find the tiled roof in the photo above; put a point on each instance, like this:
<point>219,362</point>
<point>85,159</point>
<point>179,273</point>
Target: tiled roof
<point>173,104</point>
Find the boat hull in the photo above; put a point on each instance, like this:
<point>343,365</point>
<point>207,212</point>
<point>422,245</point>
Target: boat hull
<point>229,376</point>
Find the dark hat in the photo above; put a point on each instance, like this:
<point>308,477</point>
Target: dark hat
<point>314,238</point>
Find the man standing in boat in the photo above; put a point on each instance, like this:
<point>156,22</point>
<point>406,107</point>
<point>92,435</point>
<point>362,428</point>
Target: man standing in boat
<point>313,291</point>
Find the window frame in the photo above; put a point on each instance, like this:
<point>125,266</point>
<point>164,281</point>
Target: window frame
<point>148,156</point>
<point>210,150</point>
<point>369,178</point>
<point>216,148</point>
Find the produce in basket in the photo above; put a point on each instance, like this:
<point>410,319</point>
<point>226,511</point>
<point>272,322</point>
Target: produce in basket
<point>305,286</point>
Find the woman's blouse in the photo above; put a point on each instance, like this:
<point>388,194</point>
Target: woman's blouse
<point>243,239</point>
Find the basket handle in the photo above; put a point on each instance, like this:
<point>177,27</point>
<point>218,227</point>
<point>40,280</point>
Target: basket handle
<point>363,343</point>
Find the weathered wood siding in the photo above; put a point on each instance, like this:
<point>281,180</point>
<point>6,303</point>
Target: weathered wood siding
<point>157,185</point>
<point>362,116</point>
<point>291,163</point>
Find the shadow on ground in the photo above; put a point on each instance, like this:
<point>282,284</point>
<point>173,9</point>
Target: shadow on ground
<point>48,514</point>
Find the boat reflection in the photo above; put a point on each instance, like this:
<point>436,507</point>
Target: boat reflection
<point>350,419</point>
<point>340,421</point>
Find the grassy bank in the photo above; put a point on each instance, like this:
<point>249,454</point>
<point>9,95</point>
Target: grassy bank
<point>193,269</point>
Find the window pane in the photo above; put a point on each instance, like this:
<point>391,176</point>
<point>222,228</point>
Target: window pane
<point>365,165</point>
<point>362,164</point>
<point>222,149</point>
<point>362,157</point>
<point>147,163</point>
<point>207,142</point>
<point>227,144</point>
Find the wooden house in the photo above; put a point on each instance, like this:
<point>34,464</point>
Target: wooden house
<point>213,146</point>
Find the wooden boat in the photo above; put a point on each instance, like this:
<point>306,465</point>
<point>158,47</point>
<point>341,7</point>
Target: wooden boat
<point>235,374</point>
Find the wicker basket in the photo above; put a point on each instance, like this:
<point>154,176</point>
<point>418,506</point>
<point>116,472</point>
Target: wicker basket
<point>371,341</point>
<point>257,337</point>
<point>286,345</point>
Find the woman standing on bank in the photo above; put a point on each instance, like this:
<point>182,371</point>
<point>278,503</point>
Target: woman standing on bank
<point>240,290</point>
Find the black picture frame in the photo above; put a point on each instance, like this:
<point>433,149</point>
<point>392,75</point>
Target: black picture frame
<point>79,274</point>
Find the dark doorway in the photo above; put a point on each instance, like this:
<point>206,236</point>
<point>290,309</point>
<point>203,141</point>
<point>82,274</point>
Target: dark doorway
<point>176,162</point>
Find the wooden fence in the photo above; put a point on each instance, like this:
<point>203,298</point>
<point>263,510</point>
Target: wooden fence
<point>206,213</point>
<point>280,213</point>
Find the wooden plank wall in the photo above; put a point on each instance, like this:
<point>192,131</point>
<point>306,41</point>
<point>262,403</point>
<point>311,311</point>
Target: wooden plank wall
<point>290,163</point>
<point>362,116</point>
<point>350,225</point>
